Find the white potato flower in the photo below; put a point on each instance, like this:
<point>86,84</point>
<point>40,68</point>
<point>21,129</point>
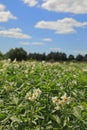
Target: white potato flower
<point>65,99</point>
<point>33,96</point>
<point>55,100</point>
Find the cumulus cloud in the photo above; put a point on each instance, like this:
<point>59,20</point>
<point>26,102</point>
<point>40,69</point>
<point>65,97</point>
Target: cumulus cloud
<point>13,33</point>
<point>31,43</point>
<point>30,2</point>
<point>24,43</point>
<point>78,39</point>
<point>66,6</point>
<point>2,7</point>
<point>71,6</point>
<point>55,49</point>
<point>82,52</point>
<point>47,39</point>
<point>5,15</point>
<point>37,43</point>
<point>64,26</point>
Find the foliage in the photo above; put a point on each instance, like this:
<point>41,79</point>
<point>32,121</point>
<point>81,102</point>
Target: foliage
<point>71,58</point>
<point>17,53</point>
<point>1,56</point>
<point>85,57</point>
<point>20,54</point>
<point>43,96</point>
<point>79,57</point>
<point>57,56</point>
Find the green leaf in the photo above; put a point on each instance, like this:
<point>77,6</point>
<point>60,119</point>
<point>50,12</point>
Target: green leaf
<point>15,100</point>
<point>1,127</point>
<point>49,127</point>
<point>56,118</point>
<point>2,116</point>
<point>77,112</point>
<point>15,119</point>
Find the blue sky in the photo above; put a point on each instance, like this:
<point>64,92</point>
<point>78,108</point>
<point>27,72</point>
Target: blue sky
<point>44,25</point>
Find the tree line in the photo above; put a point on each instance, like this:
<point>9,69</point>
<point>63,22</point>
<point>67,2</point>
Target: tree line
<point>20,54</point>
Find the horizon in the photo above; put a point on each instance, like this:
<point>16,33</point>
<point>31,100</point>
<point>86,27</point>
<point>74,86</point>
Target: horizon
<point>43,26</point>
<point>67,55</point>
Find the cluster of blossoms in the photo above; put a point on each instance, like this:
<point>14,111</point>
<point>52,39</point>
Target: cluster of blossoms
<point>58,103</point>
<point>33,95</point>
<point>85,70</point>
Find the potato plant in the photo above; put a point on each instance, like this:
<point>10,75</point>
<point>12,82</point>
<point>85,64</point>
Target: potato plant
<point>43,96</point>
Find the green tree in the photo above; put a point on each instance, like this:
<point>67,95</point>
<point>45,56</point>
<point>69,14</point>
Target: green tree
<point>17,53</point>
<point>79,57</point>
<point>85,57</point>
<point>71,57</point>
<point>1,55</point>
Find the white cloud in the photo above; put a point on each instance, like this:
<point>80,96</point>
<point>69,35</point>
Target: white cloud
<point>2,7</point>
<point>64,26</point>
<point>30,2</point>
<point>5,15</point>
<point>78,39</point>
<point>37,43</point>
<point>66,6</point>
<point>82,52</point>
<point>24,43</point>
<point>55,49</point>
<point>47,39</point>
<point>31,43</point>
<point>71,6</point>
<point>13,33</point>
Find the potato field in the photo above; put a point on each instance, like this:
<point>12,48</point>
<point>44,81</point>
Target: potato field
<point>43,96</point>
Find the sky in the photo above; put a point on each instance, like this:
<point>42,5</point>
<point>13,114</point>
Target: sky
<point>44,26</point>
